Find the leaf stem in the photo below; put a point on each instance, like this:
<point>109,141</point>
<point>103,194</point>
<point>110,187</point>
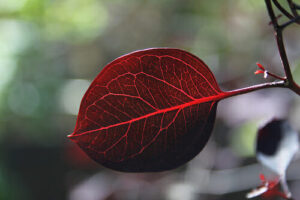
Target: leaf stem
<point>277,84</point>
<point>275,76</point>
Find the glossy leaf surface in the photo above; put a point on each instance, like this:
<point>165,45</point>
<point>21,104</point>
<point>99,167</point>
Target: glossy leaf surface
<point>150,110</point>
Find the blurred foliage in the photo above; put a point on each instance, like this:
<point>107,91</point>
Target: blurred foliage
<point>296,72</point>
<point>243,139</point>
<point>51,49</point>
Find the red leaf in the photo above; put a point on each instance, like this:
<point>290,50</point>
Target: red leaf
<point>150,110</point>
<point>259,72</point>
<point>260,66</point>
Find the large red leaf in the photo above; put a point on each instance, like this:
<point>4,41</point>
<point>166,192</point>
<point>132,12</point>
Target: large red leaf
<point>150,110</point>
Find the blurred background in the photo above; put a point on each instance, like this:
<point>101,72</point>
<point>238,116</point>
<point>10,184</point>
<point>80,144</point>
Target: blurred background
<point>50,51</point>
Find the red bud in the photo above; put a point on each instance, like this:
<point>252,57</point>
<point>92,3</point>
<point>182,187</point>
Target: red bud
<point>260,66</point>
<point>258,71</point>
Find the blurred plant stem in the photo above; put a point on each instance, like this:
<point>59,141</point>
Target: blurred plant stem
<point>278,30</point>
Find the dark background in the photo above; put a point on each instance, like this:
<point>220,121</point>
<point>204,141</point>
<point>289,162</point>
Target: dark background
<point>50,50</point>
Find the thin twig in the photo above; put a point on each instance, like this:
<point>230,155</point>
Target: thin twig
<point>275,76</point>
<point>297,6</point>
<point>294,20</point>
<point>271,14</point>
<point>285,12</point>
<point>289,81</point>
<point>293,8</point>
<point>279,39</point>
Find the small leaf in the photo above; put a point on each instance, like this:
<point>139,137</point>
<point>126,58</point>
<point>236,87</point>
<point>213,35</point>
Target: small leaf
<point>260,66</point>
<point>258,71</point>
<point>150,110</point>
